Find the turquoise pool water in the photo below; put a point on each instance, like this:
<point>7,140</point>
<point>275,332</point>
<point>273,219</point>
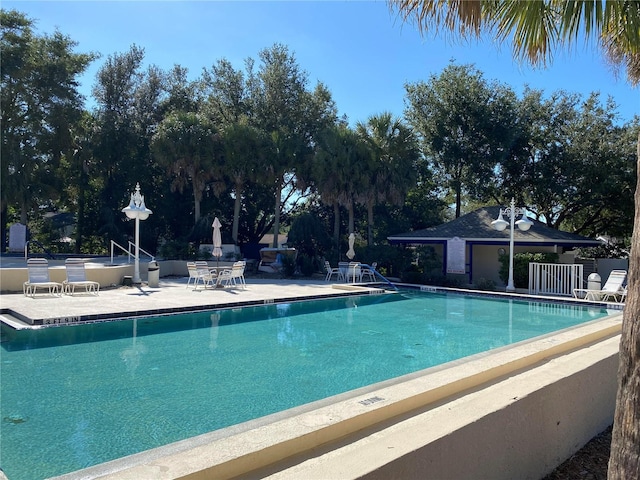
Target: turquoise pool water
<point>76,396</point>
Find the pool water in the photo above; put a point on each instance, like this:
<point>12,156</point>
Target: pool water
<point>76,396</point>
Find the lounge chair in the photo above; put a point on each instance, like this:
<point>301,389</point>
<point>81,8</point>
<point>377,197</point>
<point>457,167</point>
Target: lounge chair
<point>38,271</point>
<point>77,277</point>
<point>612,290</point>
<point>332,271</point>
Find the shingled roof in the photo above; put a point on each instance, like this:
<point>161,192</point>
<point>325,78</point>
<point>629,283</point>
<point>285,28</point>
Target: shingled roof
<point>476,227</point>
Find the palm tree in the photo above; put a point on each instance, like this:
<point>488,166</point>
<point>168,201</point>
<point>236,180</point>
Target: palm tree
<point>245,152</point>
<point>338,172</point>
<point>394,154</point>
<point>535,29</point>
<point>186,144</point>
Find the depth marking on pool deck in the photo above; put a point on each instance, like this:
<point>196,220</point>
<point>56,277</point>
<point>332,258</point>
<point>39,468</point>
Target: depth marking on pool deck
<point>369,401</point>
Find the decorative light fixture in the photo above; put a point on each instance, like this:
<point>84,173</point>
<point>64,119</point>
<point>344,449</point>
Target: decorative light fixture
<point>137,211</point>
<point>523,224</point>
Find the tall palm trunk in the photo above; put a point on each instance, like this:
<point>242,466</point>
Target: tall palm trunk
<point>197,197</point>
<point>351,220</point>
<point>80,221</point>
<point>236,213</point>
<point>276,220</point>
<point>336,224</point>
<point>370,223</point>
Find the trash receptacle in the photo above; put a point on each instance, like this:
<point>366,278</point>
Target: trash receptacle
<point>153,278</point>
<point>594,282</point>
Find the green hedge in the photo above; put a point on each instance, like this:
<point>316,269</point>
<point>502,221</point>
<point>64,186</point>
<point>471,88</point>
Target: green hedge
<point>521,263</point>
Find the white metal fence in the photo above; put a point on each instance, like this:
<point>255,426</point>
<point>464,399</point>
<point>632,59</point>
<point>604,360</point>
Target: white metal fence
<point>554,278</point>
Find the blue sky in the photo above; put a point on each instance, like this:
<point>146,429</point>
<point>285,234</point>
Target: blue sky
<point>359,49</point>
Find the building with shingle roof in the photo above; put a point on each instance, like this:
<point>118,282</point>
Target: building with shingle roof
<point>474,236</point>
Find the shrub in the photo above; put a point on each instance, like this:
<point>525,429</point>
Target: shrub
<point>307,265</point>
<point>288,266</point>
<point>485,284</point>
<point>178,250</point>
<point>521,266</point>
<point>308,236</point>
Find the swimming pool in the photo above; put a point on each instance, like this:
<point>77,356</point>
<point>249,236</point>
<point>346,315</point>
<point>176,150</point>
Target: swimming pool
<point>156,380</point>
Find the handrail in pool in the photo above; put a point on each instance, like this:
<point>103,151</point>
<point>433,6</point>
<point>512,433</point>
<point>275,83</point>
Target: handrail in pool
<point>378,274</point>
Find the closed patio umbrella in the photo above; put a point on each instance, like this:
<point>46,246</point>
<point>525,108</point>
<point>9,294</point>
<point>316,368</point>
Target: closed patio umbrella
<point>351,252</point>
<point>217,240</point>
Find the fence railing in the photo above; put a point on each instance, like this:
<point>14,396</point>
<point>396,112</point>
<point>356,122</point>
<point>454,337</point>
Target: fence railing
<point>554,278</point>
<point>130,251</point>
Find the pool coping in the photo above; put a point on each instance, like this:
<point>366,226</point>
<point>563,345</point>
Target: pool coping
<point>18,320</point>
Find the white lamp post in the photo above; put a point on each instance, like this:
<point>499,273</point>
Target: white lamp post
<point>137,210</point>
<point>523,224</point>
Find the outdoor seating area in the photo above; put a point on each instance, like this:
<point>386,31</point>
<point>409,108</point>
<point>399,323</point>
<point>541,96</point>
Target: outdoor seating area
<point>216,277</point>
<point>354,272</point>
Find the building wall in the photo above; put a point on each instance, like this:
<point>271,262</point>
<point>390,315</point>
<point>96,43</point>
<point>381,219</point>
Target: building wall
<point>486,263</point>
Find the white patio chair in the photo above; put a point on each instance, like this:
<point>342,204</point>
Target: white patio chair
<point>332,271</point>
<point>369,272</point>
<point>38,271</point>
<point>207,275</point>
<point>193,274</point>
<point>77,277</point>
<point>238,273</point>
<point>233,275</point>
<point>199,273</point>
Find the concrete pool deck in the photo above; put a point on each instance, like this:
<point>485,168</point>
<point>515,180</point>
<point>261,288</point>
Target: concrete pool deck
<point>516,412</point>
<point>171,296</point>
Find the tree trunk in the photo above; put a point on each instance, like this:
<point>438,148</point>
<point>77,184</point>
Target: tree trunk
<point>197,197</point>
<point>236,213</point>
<point>276,219</point>
<point>624,461</point>
<point>80,220</point>
<point>351,221</point>
<point>23,213</point>
<point>3,228</point>
<point>369,223</point>
<point>336,225</point>
<point>196,210</point>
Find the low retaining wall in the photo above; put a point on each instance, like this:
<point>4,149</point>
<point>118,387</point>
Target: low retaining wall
<point>522,428</point>
<point>12,279</point>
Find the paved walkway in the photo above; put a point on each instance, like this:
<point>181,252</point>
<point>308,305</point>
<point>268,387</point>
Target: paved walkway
<point>172,295</point>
